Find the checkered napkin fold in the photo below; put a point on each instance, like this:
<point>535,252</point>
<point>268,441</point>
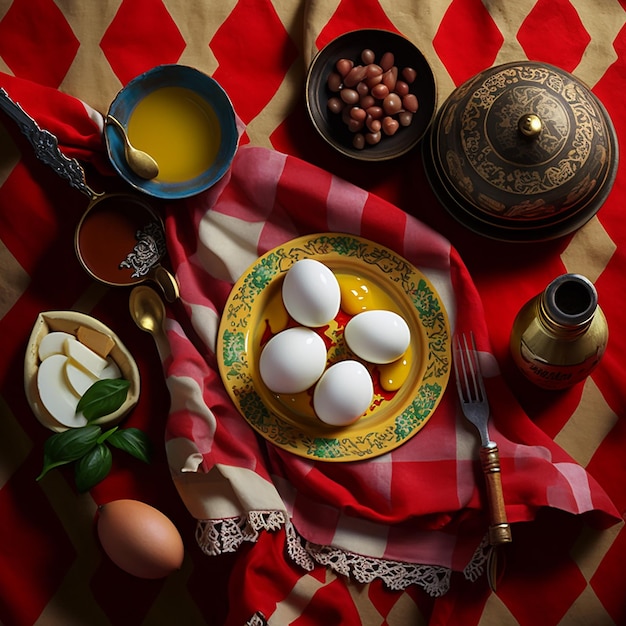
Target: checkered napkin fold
<point>409,516</point>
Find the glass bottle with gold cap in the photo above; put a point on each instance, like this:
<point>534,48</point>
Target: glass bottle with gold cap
<point>560,335</point>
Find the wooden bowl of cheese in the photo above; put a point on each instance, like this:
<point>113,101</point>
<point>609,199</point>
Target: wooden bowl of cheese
<point>67,352</point>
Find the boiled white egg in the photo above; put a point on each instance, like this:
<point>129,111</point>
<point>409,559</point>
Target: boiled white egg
<point>292,360</point>
<point>378,336</point>
<point>311,293</point>
<point>343,393</point>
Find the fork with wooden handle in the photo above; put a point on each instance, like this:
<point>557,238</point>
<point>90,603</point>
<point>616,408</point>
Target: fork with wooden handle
<point>475,407</point>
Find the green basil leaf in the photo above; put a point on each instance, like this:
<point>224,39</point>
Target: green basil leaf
<point>106,434</point>
<point>93,467</point>
<point>103,397</point>
<point>133,441</point>
<point>68,446</point>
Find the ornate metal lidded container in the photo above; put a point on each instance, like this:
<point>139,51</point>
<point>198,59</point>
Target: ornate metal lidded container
<point>522,152</point>
<point>559,336</point>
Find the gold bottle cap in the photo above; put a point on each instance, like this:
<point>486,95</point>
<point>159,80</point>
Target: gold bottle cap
<point>570,300</point>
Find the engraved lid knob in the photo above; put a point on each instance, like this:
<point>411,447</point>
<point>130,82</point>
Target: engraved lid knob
<point>530,125</point>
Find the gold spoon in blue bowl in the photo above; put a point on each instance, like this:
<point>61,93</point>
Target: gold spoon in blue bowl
<point>139,161</point>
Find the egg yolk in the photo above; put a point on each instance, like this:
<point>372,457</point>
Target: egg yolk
<point>276,315</point>
<point>298,403</point>
<point>393,375</point>
<point>358,295</point>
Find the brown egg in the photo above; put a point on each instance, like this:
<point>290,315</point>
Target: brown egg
<point>140,539</point>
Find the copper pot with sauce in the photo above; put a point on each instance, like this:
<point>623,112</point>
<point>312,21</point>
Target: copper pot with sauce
<point>120,239</point>
<point>523,152</point>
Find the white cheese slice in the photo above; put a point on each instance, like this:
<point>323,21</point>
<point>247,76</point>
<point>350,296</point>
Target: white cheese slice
<point>55,394</point>
<point>111,371</point>
<point>85,357</point>
<point>54,343</point>
<point>78,379</point>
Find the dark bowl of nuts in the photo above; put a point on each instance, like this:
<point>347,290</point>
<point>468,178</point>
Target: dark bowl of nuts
<point>371,94</point>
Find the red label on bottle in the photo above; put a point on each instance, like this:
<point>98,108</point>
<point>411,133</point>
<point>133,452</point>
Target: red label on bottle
<point>551,376</point>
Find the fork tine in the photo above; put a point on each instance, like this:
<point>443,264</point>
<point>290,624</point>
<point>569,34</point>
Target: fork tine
<point>468,376</point>
<point>481,380</point>
<point>479,385</point>
<point>468,370</point>
<point>462,382</point>
<point>471,368</point>
<point>457,366</point>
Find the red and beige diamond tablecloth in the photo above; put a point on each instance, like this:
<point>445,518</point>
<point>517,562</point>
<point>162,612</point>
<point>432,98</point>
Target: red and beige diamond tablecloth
<point>559,570</point>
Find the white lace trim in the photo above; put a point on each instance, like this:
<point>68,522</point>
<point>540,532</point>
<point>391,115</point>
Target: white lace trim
<point>227,535</point>
<point>397,575</point>
<point>216,536</point>
<point>258,619</point>
<point>476,567</point>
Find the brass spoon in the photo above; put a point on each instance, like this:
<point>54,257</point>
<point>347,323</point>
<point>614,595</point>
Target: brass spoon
<point>148,312</point>
<point>139,161</point>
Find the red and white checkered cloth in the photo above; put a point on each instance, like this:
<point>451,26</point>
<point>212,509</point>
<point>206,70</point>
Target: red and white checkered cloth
<point>408,516</point>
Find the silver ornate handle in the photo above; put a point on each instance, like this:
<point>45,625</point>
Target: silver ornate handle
<point>46,146</point>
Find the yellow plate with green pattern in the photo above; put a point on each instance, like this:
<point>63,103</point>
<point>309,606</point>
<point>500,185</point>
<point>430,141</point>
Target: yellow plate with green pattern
<point>254,312</point>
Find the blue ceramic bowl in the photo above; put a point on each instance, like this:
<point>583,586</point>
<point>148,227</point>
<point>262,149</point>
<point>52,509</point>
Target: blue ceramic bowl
<point>211,95</point>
